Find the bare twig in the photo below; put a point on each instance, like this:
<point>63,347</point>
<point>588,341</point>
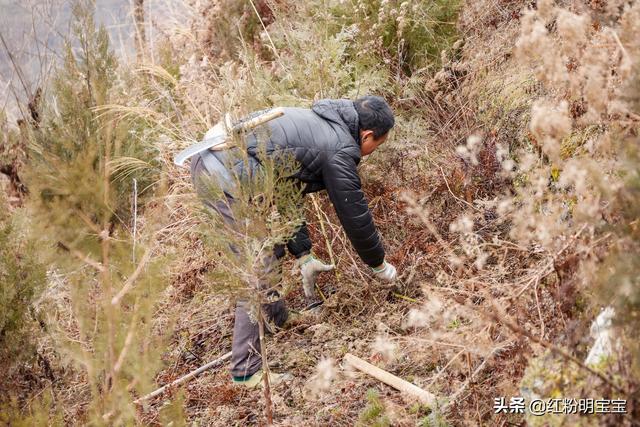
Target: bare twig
<point>128,340</point>
<point>82,257</point>
<point>265,368</point>
<point>451,192</point>
<point>444,368</point>
<point>406,298</point>
<point>324,231</point>
<point>16,67</point>
<point>138,19</point>
<point>185,378</point>
<point>535,292</point>
<point>264,27</point>
<point>132,279</point>
<point>135,218</point>
<point>619,43</point>
<point>504,320</point>
<point>455,396</point>
<point>433,342</point>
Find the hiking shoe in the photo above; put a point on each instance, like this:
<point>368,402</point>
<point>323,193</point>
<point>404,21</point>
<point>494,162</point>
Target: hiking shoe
<point>256,381</point>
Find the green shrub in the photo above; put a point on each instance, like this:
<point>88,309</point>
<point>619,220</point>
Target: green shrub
<point>22,279</point>
<point>41,413</point>
<point>83,159</point>
<point>408,34</point>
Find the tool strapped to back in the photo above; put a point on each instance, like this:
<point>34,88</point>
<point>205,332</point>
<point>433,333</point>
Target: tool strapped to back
<point>220,136</point>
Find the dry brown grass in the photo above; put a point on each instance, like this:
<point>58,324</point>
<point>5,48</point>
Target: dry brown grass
<point>465,354</point>
<point>473,305</point>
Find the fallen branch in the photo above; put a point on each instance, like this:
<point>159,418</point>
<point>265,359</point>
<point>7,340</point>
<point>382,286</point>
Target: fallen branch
<point>390,379</point>
<point>185,378</point>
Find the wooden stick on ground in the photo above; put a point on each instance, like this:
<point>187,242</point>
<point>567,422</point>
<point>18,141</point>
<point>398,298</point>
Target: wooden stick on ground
<point>185,378</point>
<point>391,380</point>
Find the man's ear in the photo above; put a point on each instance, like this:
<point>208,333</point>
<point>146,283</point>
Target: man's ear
<point>365,135</point>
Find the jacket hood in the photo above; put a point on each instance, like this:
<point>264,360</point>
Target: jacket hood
<point>341,112</point>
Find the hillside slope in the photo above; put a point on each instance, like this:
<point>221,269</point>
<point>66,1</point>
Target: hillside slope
<point>506,197</point>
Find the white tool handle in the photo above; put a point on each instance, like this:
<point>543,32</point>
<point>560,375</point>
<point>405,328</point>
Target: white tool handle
<point>257,121</point>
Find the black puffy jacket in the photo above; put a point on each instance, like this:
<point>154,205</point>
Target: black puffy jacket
<point>326,142</point>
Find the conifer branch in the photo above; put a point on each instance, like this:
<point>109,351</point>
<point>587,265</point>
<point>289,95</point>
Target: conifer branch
<point>92,225</point>
<point>132,279</point>
<point>128,340</point>
<point>82,257</point>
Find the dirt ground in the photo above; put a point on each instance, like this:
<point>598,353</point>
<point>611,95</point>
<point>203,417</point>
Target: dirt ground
<point>357,310</point>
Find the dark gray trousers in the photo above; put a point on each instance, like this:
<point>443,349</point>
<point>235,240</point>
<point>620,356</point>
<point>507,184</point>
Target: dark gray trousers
<point>245,359</point>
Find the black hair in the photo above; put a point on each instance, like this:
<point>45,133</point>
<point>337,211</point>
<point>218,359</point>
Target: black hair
<point>374,114</point>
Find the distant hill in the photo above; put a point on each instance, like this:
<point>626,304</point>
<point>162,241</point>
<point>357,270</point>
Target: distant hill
<point>33,30</point>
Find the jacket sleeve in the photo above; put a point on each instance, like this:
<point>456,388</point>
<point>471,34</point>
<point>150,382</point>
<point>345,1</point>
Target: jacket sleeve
<point>300,243</point>
<point>342,182</point>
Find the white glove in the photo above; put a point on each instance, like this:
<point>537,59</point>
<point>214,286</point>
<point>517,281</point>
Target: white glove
<point>386,272</point>
<point>310,267</point>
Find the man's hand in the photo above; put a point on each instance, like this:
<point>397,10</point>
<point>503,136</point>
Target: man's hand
<point>310,267</point>
<point>385,272</point>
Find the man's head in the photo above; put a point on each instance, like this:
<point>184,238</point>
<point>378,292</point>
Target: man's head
<point>376,119</point>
